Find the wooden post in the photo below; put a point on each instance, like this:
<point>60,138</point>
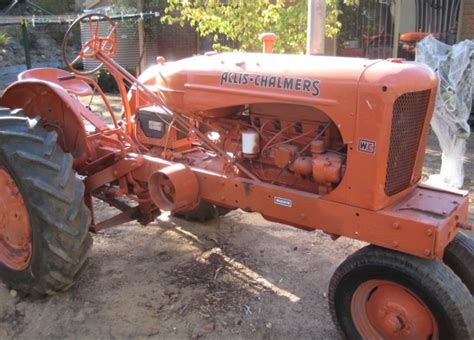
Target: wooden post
<point>315,36</point>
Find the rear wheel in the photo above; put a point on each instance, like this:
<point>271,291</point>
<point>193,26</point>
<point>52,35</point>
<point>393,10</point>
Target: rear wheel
<point>382,294</point>
<point>44,238</point>
<point>205,211</point>
<point>459,256</point>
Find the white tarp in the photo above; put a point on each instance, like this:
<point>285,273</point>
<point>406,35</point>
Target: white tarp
<point>454,66</point>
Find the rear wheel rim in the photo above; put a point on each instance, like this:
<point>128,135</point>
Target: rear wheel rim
<point>384,309</point>
<point>15,229</point>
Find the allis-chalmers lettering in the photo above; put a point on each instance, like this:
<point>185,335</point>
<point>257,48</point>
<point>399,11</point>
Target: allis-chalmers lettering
<point>273,82</point>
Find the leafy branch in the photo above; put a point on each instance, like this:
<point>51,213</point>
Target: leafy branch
<point>241,21</point>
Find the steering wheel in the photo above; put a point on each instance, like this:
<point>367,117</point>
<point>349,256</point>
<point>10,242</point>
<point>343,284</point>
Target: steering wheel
<point>98,41</point>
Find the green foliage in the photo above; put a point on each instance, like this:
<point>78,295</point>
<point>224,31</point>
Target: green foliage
<point>4,39</point>
<point>242,21</point>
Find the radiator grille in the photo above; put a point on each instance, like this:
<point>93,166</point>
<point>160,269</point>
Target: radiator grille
<point>409,112</point>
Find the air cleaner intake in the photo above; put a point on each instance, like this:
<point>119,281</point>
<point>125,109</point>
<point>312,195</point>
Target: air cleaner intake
<point>174,188</point>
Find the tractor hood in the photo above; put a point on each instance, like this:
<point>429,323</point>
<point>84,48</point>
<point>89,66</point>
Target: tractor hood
<point>230,79</point>
<point>211,83</point>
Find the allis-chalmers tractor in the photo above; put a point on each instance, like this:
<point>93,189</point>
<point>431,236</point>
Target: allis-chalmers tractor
<point>315,142</point>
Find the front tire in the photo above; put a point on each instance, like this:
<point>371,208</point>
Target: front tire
<point>459,256</point>
<point>52,197</point>
<point>380,293</point>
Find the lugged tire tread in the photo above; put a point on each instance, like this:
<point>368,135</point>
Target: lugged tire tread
<point>54,197</point>
<point>459,256</point>
<point>30,158</point>
<point>61,253</point>
<point>21,136</point>
<point>76,202</point>
<point>58,224</point>
<point>50,189</point>
<point>50,143</point>
<point>66,169</point>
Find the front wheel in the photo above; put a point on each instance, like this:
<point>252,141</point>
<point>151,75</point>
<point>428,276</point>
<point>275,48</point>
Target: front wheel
<point>382,294</point>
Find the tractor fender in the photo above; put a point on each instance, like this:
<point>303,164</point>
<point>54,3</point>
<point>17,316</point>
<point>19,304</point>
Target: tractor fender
<point>58,111</point>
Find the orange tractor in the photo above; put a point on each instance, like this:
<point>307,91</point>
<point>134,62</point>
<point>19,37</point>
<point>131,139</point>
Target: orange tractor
<point>314,142</point>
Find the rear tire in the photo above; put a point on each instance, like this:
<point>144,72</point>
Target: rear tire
<point>459,256</point>
<point>408,297</point>
<point>53,196</point>
<point>205,211</point>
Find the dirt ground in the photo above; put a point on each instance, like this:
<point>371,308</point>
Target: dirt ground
<point>238,277</point>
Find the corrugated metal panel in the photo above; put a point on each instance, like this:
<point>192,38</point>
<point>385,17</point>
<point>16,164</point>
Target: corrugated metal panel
<point>128,53</point>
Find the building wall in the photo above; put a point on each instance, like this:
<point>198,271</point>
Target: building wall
<point>467,23</point>
<point>407,16</point>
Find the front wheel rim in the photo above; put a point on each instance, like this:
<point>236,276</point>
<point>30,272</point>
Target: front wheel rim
<point>15,230</point>
<point>386,310</point>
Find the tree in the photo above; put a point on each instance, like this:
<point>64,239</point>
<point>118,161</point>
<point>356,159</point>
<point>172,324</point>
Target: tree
<point>240,21</point>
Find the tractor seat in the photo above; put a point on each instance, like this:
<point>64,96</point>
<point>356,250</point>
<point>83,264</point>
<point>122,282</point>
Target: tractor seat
<point>53,75</point>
